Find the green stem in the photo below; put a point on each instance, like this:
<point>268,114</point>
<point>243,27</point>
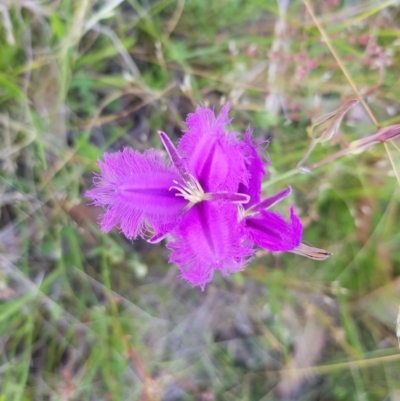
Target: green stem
<point>281,177</point>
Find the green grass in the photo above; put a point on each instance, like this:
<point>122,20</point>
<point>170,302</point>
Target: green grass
<point>91,316</point>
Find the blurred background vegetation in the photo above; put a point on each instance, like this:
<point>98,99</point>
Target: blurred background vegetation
<point>89,316</point>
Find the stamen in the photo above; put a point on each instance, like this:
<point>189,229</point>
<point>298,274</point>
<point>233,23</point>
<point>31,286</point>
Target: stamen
<point>192,191</point>
<point>241,212</point>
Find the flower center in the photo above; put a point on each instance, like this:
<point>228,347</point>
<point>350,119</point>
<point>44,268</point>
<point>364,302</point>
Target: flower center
<point>191,191</point>
<point>243,213</point>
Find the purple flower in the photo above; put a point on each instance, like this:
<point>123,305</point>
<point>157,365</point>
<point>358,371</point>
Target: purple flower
<point>207,199</point>
<point>265,229</point>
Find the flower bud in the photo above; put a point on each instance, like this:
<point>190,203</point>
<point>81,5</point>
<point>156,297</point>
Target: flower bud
<point>381,135</point>
<point>326,126</point>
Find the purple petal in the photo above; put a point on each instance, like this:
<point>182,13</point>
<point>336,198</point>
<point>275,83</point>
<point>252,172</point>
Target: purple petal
<point>175,157</point>
<point>158,237</point>
<point>209,238</point>
<point>270,201</point>
<point>255,167</point>
<point>134,190</point>
<point>214,156</point>
<point>232,197</point>
<point>269,230</point>
<point>165,229</point>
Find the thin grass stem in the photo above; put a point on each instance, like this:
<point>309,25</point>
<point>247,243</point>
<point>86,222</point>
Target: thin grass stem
<point>339,61</point>
<point>392,161</point>
<point>328,42</point>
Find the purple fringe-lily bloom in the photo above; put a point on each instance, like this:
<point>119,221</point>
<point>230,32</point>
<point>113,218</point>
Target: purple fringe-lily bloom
<point>207,200</point>
<point>266,229</point>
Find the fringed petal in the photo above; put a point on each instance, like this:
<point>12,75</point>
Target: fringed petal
<point>134,190</point>
<point>214,157</point>
<point>209,238</point>
<point>255,168</point>
<point>269,230</point>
